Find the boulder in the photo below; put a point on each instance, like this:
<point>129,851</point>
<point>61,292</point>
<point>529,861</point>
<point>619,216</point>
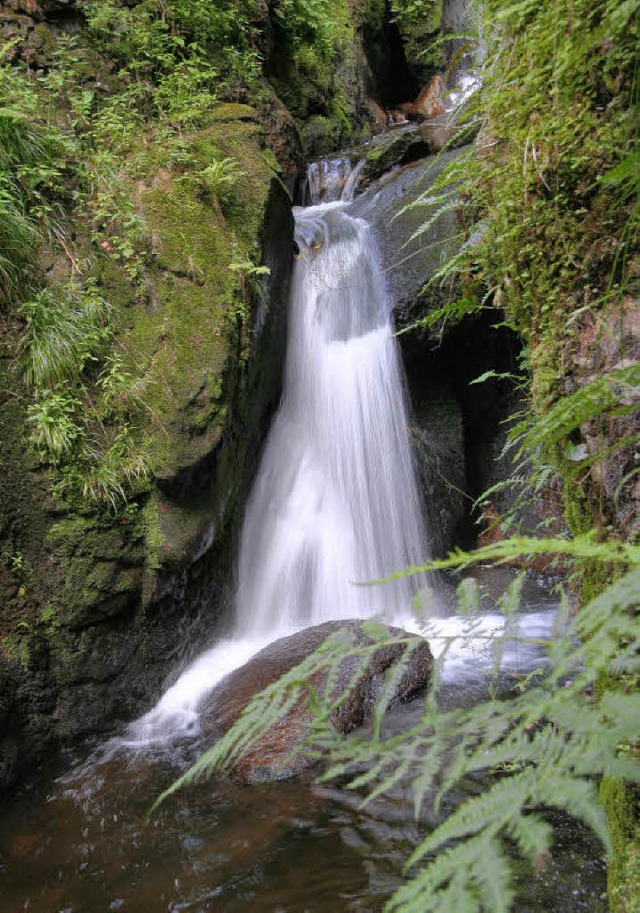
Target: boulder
<point>405,143</point>
<point>428,104</point>
<point>272,757</point>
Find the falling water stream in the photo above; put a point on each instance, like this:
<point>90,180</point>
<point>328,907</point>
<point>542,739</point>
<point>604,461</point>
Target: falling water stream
<point>335,501</point>
<point>334,504</point>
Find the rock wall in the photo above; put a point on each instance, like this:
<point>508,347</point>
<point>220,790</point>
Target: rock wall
<point>100,609</point>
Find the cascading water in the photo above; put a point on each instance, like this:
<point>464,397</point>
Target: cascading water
<point>333,179</point>
<point>335,502</point>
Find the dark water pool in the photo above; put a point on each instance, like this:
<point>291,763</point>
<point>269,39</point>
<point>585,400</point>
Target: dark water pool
<point>84,845</point>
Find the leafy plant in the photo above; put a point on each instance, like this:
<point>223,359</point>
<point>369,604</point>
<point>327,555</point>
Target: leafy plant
<point>32,161</point>
<point>541,748</point>
<point>54,423</point>
<point>65,328</point>
<point>120,470</point>
<point>122,393</point>
<point>218,179</point>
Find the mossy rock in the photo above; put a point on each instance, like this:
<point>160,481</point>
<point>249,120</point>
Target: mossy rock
<point>424,53</point>
<point>319,136</point>
<point>621,802</point>
<point>100,570</point>
<point>184,339</point>
<point>407,144</point>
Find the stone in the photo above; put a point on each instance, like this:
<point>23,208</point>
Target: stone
<point>428,103</point>
<point>272,757</point>
<point>378,116</point>
<point>409,260</point>
<point>92,606</point>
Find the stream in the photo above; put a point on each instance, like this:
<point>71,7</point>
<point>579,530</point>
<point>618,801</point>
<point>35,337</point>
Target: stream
<point>335,502</point>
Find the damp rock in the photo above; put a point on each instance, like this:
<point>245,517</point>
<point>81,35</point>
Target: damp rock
<point>272,757</point>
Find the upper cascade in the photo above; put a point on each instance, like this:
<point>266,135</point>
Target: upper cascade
<point>332,179</point>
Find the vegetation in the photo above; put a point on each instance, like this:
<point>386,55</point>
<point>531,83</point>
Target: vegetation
<point>117,139</point>
<point>32,165</point>
<point>70,154</point>
<point>541,748</point>
<point>80,137</point>
<point>550,215</point>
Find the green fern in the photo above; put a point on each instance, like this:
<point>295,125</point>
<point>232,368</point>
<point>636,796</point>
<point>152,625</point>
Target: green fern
<point>542,748</point>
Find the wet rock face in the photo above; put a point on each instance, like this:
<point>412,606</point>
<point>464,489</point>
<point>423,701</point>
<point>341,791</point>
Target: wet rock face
<point>410,255</point>
<point>607,342</point>
<point>271,758</point>
<point>33,25</point>
<point>91,605</point>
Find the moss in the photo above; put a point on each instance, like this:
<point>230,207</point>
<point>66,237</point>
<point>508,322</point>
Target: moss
<point>16,647</point>
<point>86,536</point>
<point>94,565</point>
<point>420,31</point>
<point>153,535</point>
<point>620,801</point>
<point>182,341</point>
<point>576,506</point>
<point>319,135</point>
<point>317,74</point>
<point>43,40</point>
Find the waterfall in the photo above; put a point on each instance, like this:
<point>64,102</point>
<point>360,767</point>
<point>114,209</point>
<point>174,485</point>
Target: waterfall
<point>335,502</point>
<point>333,179</point>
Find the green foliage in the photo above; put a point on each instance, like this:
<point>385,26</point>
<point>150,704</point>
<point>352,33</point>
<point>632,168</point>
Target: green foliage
<point>536,445</point>
<point>118,227</point>
<point>548,205</point>
<point>186,93</point>
<point>191,50</point>
<point>78,426</point>
<point>218,180</point>
<point>53,419</point>
<point>32,162</point>
<point>309,23</point>
<point>415,12</point>
<point>541,748</point>
<point>548,200</point>
<point>120,390</point>
<point>66,327</point>
<point>108,477</point>
<point>419,22</point>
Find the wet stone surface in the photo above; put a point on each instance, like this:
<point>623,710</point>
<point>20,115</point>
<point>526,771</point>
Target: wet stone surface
<point>272,757</point>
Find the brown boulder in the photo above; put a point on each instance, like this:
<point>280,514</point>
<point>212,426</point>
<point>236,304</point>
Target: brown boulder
<point>272,756</point>
<point>427,104</point>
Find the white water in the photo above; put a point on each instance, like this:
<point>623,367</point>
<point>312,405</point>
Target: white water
<point>335,501</point>
<point>467,82</point>
<point>333,179</point>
